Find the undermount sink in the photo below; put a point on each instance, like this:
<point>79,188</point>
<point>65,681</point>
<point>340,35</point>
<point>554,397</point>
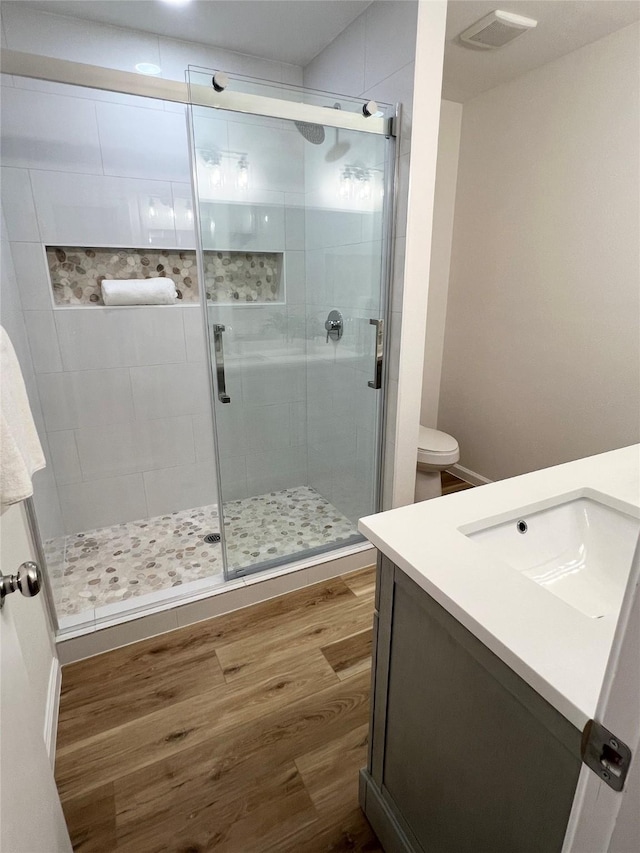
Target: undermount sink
<point>580,549</point>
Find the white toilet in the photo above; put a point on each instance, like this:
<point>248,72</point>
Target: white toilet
<point>437,451</point>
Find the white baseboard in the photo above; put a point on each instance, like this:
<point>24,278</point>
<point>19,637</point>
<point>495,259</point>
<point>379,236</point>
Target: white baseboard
<point>469,476</point>
<point>51,711</point>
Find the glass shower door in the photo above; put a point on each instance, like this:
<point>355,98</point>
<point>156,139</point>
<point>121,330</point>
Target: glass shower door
<point>293,260</point>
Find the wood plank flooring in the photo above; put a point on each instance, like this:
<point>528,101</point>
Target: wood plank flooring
<point>451,483</point>
<point>241,734</point>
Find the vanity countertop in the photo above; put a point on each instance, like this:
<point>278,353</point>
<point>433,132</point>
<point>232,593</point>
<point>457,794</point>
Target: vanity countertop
<point>555,648</point>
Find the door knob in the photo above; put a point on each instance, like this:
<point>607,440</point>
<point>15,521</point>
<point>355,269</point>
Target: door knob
<point>28,581</point>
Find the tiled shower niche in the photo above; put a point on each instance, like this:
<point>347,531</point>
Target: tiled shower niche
<point>243,276</point>
<point>76,273</point>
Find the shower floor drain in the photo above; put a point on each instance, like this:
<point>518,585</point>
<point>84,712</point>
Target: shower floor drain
<point>210,538</point>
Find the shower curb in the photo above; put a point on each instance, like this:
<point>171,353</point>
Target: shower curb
<point>235,595</point>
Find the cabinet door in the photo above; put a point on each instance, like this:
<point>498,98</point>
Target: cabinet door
<point>474,760</point>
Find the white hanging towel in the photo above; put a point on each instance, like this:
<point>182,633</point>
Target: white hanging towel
<point>20,449</point>
<point>139,291</point>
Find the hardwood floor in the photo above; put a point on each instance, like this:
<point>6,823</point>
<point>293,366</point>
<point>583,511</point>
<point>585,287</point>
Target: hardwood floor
<point>241,734</point>
<point>451,483</point>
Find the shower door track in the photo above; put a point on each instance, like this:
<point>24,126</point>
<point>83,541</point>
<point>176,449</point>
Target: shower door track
<point>129,83</point>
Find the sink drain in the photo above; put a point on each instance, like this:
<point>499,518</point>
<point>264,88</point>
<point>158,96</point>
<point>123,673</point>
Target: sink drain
<point>522,526</point>
<point>210,538</point>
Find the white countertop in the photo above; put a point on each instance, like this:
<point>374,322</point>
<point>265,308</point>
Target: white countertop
<point>555,648</point>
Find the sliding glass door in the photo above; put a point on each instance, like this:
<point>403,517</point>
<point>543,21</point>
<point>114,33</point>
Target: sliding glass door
<point>292,195</point>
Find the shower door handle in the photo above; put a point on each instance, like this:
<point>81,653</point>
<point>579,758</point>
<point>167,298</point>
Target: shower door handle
<point>218,329</point>
<point>378,354</point>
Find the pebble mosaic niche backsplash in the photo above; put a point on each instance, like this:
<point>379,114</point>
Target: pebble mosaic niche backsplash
<point>76,273</point>
<point>243,276</point>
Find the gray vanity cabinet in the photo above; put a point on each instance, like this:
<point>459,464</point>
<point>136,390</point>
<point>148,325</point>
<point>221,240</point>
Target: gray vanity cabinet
<point>464,756</point>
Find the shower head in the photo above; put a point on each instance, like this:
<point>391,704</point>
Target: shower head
<point>338,149</point>
<point>313,133</point>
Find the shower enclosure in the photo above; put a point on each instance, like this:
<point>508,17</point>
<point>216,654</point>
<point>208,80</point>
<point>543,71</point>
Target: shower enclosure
<point>291,192</point>
<point>240,429</point>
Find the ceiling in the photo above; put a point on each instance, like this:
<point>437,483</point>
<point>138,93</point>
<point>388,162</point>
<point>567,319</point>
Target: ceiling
<point>283,30</point>
<point>563,26</point>
<point>297,30</point>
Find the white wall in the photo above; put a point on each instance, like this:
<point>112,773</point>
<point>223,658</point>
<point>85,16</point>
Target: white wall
<point>441,240</point>
<point>417,253</point>
<point>542,352</point>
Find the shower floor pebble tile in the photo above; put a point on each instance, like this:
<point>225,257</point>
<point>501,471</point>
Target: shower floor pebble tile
<point>261,529</point>
<point>113,564</point>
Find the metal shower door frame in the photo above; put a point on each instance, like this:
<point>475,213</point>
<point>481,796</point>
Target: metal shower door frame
<point>389,219</point>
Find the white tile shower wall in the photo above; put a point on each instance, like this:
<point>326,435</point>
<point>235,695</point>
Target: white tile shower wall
<point>172,489</point>
<point>165,135</point>
<point>343,273</point>
<point>17,202</point>
<point>125,404</point>
<point>85,398</point>
<point>128,352</point>
<point>135,446</point>
<point>98,185</point>
<point>373,58</point>
<point>42,132</point>
<point>262,435</point>
<point>101,503</point>
<point>31,271</point>
<point>43,341</point>
<point>113,211</point>
<point>91,338</point>
<point>46,34</point>
<point>38,32</point>
<point>12,318</point>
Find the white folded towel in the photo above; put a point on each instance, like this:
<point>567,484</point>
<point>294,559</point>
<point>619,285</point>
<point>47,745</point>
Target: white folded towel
<point>20,450</point>
<point>139,291</point>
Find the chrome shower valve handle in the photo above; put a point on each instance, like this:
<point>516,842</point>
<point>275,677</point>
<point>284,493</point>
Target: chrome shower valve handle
<point>334,324</point>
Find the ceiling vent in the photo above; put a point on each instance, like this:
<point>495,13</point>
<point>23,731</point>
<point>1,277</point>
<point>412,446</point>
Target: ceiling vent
<point>497,29</point>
